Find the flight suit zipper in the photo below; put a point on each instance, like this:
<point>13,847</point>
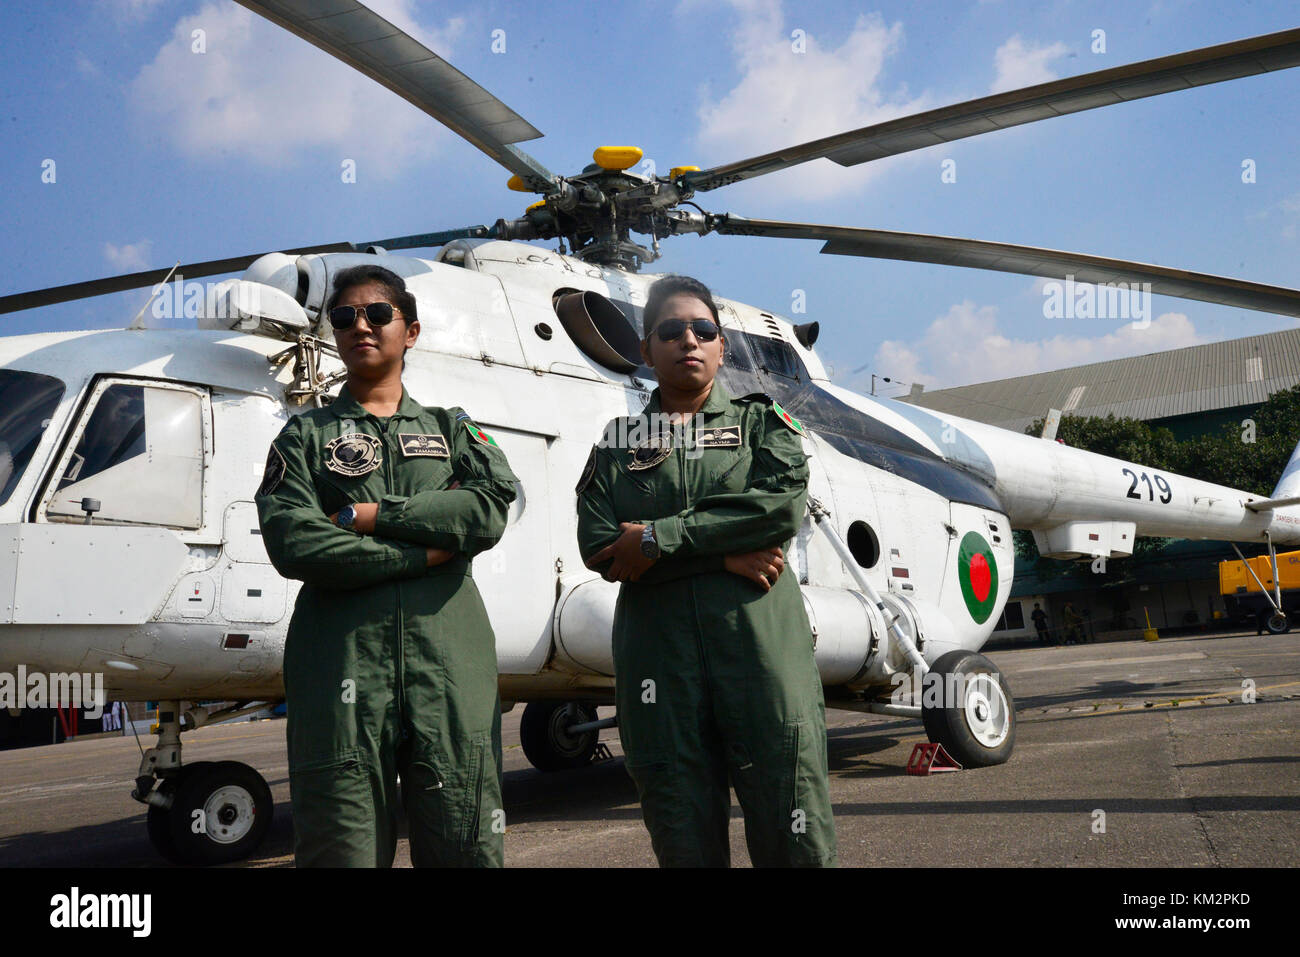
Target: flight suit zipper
<point>400,669</point>
<point>691,579</point>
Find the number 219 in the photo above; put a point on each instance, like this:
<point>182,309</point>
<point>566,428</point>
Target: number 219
<point>1166,493</point>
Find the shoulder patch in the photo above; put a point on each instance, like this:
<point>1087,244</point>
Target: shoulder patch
<point>588,471</point>
<point>478,433</point>
<point>273,475</point>
<point>794,424</point>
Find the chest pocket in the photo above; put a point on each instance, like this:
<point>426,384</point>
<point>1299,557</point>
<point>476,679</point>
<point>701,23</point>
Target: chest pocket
<point>728,469</point>
<point>649,493</point>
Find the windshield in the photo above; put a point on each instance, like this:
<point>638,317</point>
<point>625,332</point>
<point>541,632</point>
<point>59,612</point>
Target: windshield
<point>27,400</point>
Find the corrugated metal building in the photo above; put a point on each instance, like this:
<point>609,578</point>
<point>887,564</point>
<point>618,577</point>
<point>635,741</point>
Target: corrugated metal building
<point>1189,391</point>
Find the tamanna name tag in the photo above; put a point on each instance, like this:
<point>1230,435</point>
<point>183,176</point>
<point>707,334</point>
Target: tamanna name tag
<point>422,444</point>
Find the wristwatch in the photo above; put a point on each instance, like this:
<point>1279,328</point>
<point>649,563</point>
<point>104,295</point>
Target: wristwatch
<point>347,517</point>
<point>649,547</point>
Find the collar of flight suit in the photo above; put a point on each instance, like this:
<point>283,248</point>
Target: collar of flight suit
<point>719,400</point>
<point>346,407</point>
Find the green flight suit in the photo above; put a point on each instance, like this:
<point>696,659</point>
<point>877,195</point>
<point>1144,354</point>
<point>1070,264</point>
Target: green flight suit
<point>390,667</point>
<point>714,678</point>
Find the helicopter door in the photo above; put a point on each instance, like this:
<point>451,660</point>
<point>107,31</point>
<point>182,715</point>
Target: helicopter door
<point>139,451</point>
<point>517,577</point>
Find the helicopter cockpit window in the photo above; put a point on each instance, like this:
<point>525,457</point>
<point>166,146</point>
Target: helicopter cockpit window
<point>27,400</point>
<point>140,455</point>
<point>777,357</point>
<point>737,351</point>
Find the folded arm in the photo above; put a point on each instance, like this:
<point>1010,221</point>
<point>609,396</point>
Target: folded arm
<point>469,518</point>
<point>304,544</point>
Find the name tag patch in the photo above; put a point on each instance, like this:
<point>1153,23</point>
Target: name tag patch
<point>721,437</point>
<point>415,444</point>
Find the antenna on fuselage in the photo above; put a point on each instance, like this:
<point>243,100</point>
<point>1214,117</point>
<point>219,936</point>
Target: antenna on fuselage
<point>138,322</point>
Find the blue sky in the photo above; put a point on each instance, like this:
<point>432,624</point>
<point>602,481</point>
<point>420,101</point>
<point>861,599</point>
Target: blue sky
<point>162,153</point>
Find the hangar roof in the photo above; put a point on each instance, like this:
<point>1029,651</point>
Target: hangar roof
<point>1219,375</point>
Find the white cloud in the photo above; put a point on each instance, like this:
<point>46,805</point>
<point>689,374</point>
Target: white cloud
<point>965,346</point>
<point>1018,64</point>
<point>129,257</point>
<point>784,98</point>
<point>136,9</point>
<point>270,97</point>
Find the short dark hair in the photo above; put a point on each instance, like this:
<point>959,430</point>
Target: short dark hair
<point>394,287</point>
<point>661,290</point>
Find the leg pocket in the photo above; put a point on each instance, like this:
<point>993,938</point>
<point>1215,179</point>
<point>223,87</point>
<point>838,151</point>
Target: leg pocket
<point>334,820</point>
<point>784,793</point>
<point>444,797</point>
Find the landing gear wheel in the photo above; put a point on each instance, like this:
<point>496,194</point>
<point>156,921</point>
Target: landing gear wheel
<point>1277,624</point>
<point>158,822</point>
<point>978,725</point>
<point>236,807</point>
<point>545,738</point>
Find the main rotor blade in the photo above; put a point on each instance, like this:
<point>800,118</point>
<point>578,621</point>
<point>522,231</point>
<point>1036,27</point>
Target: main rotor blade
<point>99,287</point>
<point>370,44</point>
<point>1026,260</point>
<point>1227,61</point>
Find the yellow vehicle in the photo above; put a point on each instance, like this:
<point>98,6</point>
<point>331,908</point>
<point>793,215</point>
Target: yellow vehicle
<point>1246,601</point>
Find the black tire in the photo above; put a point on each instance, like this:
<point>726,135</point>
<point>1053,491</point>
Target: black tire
<point>1277,624</point>
<point>241,814</point>
<point>158,820</point>
<point>546,744</point>
<point>988,743</point>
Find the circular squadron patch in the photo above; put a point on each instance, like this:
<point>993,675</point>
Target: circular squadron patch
<point>353,454</point>
<point>650,451</point>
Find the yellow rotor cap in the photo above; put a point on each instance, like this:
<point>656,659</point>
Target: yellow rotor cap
<point>517,184</point>
<point>533,206</point>
<point>679,170</point>
<point>616,157</point>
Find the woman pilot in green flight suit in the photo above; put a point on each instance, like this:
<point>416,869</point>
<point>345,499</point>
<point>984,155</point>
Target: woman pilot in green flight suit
<point>689,506</point>
<point>377,504</point>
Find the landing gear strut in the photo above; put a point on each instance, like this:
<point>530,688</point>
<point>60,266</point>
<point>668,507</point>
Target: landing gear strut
<point>204,813</point>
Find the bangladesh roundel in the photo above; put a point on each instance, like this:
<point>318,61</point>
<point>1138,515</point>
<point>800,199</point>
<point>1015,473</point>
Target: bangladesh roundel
<point>977,570</point>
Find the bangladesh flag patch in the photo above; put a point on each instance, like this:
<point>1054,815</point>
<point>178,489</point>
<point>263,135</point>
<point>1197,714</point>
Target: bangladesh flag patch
<point>479,434</point>
<point>977,570</point>
<point>787,418</point>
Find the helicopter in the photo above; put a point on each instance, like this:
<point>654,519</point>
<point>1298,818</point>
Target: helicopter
<point>129,457</point>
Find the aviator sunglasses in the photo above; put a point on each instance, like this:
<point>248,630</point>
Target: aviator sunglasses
<point>706,330</point>
<point>377,314</point>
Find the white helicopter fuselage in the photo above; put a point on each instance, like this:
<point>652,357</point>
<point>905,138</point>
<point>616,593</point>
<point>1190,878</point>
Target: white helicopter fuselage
<point>168,591</point>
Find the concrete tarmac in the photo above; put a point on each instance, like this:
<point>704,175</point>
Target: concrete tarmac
<point>1153,741</point>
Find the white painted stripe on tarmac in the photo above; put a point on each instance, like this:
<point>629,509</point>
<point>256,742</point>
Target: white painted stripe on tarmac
<point>1099,662</point>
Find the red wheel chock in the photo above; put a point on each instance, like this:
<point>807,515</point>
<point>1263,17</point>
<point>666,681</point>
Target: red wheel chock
<point>930,758</point>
